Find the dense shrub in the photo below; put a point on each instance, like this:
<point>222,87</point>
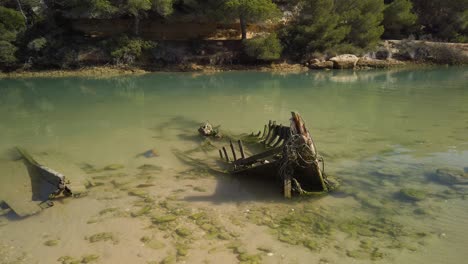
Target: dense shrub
<point>11,23</point>
<point>37,44</point>
<point>264,48</point>
<point>7,53</point>
<point>127,51</point>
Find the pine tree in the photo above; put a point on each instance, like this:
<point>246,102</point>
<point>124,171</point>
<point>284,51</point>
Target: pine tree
<point>251,11</point>
<point>317,28</point>
<point>398,18</point>
<point>364,17</point>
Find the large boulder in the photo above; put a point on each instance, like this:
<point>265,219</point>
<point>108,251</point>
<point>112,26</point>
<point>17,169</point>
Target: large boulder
<point>345,61</point>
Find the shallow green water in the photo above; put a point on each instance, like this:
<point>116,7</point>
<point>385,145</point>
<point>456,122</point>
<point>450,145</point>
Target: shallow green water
<point>379,131</point>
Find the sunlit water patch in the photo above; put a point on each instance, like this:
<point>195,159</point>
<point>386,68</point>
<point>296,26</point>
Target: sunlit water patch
<point>397,140</point>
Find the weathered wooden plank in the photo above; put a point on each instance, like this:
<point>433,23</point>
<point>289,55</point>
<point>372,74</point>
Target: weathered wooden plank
<point>74,176</point>
<point>255,158</point>
<point>16,188</point>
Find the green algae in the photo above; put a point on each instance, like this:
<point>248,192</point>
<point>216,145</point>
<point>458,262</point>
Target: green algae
<point>163,219</point>
<point>68,260</point>
<point>83,260</point>
<point>108,210</point>
<point>413,194</point>
<point>109,176</point>
<point>171,259</point>
<point>183,232</point>
<point>104,236</point>
<point>89,258</point>
<point>312,245</point>
<point>150,167</point>
<point>51,243</point>
<point>152,243</point>
<point>112,167</point>
<point>199,189</point>
<point>245,258</point>
<point>265,249</point>
<point>143,211</point>
<point>182,250</point>
<point>138,193</point>
<point>358,254</point>
<point>145,185</point>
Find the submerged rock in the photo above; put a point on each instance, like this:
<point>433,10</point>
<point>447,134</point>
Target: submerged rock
<point>450,176</point>
<point>413,194</point>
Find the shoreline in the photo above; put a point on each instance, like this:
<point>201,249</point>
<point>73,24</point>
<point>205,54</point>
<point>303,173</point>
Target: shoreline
<point>115,71</point>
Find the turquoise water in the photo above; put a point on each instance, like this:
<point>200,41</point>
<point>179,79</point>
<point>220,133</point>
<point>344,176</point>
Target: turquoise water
<point>380,131</point>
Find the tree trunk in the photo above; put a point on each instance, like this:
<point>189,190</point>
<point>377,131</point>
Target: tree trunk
<point>20,8</point>
<point>136,29</point>
<point>243,27</point>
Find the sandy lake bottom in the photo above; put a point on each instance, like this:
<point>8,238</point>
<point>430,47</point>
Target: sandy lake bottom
<point>396,139</point>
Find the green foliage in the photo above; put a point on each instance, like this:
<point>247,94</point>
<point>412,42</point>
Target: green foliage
<point>90,8</point>
<point>264,48</point>
<point>252,10</point>
<point>11,23</point>
<point>37,44</point>
<point>398,18</point>
<point>7,53</point>
<point>128,51</point>
<point>364,17</point>
<point>135,7</point>
<point>163,7</point>
<point>444,20</point>
<point>318,28</point>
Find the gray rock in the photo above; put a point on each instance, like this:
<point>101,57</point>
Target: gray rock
<point>345,61</point>
<point>316,64</point>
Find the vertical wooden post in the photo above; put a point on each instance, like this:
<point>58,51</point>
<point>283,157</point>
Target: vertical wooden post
<point>225,153</point>
<point>287,186</point>
<point>233,150</point>
<point>241,148</point>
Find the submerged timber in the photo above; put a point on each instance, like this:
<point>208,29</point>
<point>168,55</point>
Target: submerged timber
<point>289,153</point>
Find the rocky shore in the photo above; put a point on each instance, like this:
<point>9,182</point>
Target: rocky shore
<point>390,54</point>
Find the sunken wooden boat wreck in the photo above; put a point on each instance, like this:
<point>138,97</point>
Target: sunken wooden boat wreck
<point>289,155</point>
<point>28,184</point>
